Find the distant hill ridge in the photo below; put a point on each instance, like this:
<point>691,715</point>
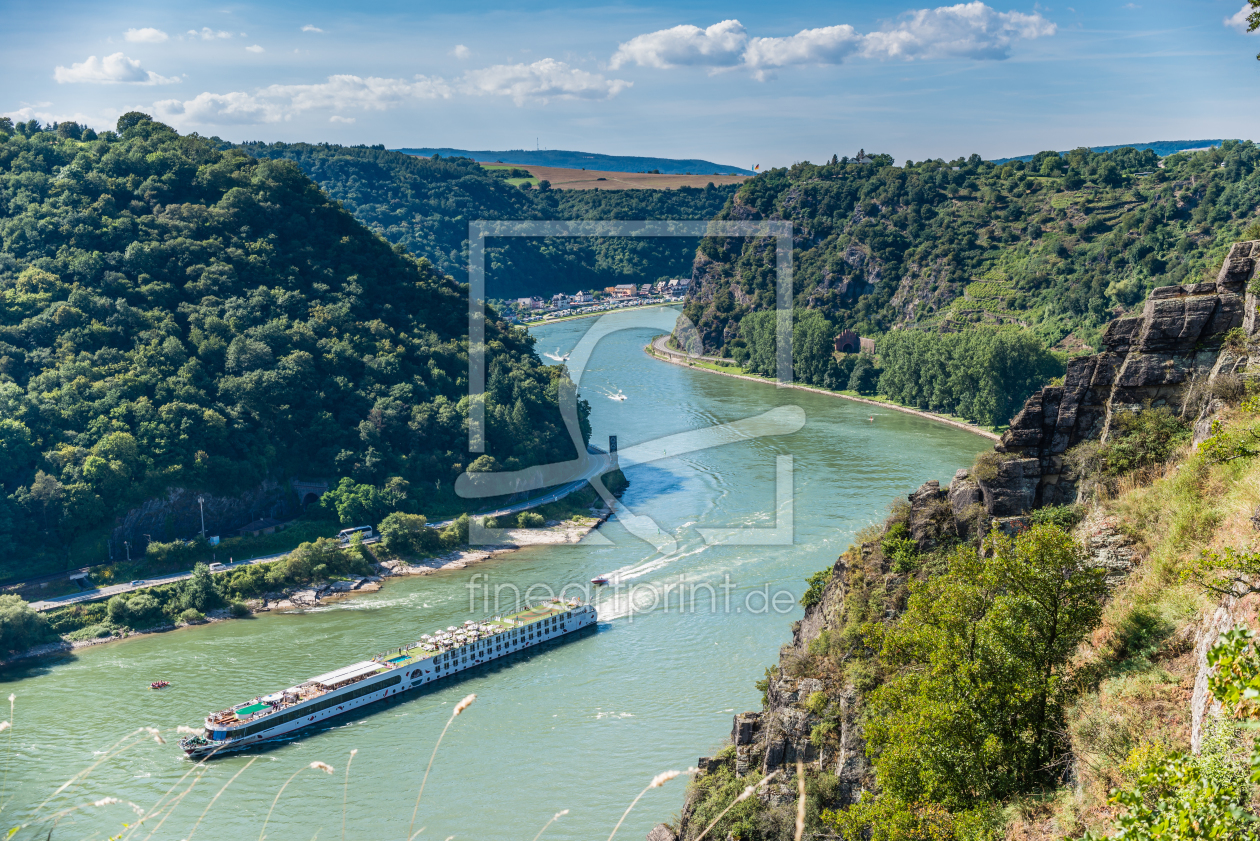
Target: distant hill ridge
<point>586,160</point>
<point>1163,148</point>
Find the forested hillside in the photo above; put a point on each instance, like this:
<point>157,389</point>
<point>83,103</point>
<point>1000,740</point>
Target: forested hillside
<point>425,204</point>
<point>176,314</point>
<point>1060,244</point>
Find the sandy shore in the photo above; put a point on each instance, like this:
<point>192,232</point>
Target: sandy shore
<point>555,533</point>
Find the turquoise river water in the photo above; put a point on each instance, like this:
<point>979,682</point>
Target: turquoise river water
<point>583,725</point>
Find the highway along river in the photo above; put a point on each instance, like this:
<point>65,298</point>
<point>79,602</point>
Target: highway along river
<point>582,725</point>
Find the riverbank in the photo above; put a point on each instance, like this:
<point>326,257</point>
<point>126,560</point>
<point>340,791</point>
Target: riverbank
<point>295,601</point>
<point>658,350</point>
<point>548,321</point>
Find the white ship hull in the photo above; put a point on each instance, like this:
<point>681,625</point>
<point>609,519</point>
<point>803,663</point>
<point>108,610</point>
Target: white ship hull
<point>222,739</point>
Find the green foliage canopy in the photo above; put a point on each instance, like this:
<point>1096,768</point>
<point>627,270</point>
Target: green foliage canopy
<point>978,671</point>
<point>425,204</point>
<point>176,313</point>
<point>982,373</point>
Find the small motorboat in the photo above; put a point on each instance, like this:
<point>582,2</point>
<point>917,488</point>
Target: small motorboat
<point>599,580</point>
<point>159,684</point>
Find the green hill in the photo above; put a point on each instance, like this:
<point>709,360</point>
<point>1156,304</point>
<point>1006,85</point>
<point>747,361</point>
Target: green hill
<point>1163,148</point>
<point>1060,244</point>
<point>586,160</point>
<point>425,204</point>
<point>177,314</point>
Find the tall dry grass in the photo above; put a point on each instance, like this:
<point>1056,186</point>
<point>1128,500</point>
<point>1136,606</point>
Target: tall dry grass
<point>459,708</point>
<point>168,803</point>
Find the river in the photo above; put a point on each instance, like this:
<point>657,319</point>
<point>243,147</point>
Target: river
<point>582,726</point>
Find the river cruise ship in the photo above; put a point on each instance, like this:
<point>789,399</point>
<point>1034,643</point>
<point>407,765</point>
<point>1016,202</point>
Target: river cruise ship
<point>431,658</point>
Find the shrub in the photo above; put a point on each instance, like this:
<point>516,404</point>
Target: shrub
<point>304,563</point>
<point>174,554</point>
<point>1230,388</point>
<point>456,534</point>
<point>1064,516</point>
<point>817,583</point>
<point>20,626</point>
<point>138,611</point>
<point>900,548</point>
<point>406,533</point>
<point>192,617</point>
<point>988,465</point>
<point>104,629</point>
<point>201,592</point>
<point>1236,339</point>
<point>239,609</point>
<point>1141,439</point>
<point>529,520</point>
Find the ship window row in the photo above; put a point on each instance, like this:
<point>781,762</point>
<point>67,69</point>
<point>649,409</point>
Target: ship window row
<point>274,720</point>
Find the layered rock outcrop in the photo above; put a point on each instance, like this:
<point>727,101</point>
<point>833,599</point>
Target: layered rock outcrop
<point>1174,354</point>
<point>1169,356</point>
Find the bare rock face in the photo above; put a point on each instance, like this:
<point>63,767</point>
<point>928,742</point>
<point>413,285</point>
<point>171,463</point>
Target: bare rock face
<point>1230,613</point>
<point>177,513</point>
<point>661,832</point>
<point>931,517</point>
<point>965,501</point>
<point>1165,357</point>
<point>1013,491</point>
<point>1109,548</point>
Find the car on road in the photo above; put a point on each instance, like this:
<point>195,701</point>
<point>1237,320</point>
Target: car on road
<point>343,536</point>
<point>217,567</point>
<point>139,582</point>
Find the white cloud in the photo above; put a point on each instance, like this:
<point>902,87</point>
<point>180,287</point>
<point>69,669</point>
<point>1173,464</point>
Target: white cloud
<point>310,27</point>
<point>276,103</point>
<point>828,45</point>
<point>38,111</point>
<point>208,34</point>
<point>219,109</point>
<point>147,35</point>
<point>721,45</point>
<point>1240,19</point>
<point>109,70</point>
<point>461,51</point>
<point>337,118</point>
<point>543,80</point>
<point>254,48</point>
<point>966,30</point>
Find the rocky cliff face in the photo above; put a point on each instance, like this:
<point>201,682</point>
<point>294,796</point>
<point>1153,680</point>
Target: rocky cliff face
<point>178,514</point>
<point>1171,356</point>
<point>787,727</point>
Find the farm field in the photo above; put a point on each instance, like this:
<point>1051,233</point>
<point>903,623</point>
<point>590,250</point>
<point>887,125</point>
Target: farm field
<point>590,179</point>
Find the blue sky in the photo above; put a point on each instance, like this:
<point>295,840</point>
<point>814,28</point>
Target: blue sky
<point>738,83</point>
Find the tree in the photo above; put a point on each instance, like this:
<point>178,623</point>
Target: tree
<point>200,592</point>
<point>20,626</point>
<point>1253,19</point>
<point>131,119</point>
<point>979,671</point>
<point>865,376</point>
<point>407,533</point>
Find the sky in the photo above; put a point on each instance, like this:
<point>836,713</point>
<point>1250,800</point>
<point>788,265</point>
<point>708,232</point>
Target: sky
<point>737,83</point>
